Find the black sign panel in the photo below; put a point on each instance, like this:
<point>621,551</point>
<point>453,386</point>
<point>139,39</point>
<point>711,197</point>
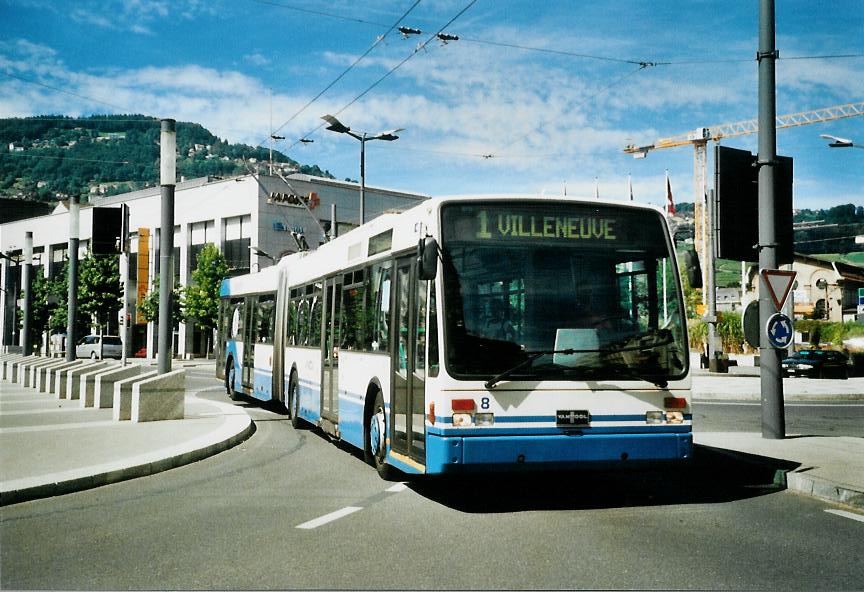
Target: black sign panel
<point>107,223</point>
<point>737,206</point>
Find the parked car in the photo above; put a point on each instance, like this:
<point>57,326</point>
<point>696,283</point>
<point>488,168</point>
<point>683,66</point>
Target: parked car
<point>817,363</point>
<point>99,346</point>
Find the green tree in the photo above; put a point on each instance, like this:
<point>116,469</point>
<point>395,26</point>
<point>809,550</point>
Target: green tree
<point>149,305</point>
<point>100,294</point>
<point>202,296</point>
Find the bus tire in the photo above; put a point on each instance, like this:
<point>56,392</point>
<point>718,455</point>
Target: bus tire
<point>230,375</point>
<point>293,401</point>
<point>376,439</point>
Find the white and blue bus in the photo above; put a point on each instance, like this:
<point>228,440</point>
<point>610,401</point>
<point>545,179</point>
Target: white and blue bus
<point>471,334</point>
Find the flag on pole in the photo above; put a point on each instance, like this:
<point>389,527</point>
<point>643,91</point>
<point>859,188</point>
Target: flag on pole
<point>670,203</point>
<point>630,186</point>
<point>596,189</point>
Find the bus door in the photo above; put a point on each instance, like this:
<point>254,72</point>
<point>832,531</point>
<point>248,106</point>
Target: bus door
<point>408,420</point>
<point>247,377</point>
<point>330,351</point>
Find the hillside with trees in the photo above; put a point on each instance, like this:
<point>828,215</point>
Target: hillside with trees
<point>47,158</point>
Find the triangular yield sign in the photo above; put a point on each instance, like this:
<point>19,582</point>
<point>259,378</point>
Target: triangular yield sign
<point>779,284</point>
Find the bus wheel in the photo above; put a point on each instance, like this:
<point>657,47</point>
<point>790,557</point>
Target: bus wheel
<point>293,403</point>
<point>230,375</point>
<point>376,439</point>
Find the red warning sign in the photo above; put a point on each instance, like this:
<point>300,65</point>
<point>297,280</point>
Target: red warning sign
<point>779,284</point>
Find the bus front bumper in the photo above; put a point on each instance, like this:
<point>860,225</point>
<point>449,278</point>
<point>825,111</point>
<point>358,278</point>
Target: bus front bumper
<point>457,454</point>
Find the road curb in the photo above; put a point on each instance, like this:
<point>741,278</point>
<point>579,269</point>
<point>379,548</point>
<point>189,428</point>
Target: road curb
<point>801,482</point>
<point>237,428</point>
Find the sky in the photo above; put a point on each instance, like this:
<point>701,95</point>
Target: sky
<point>534,97</point>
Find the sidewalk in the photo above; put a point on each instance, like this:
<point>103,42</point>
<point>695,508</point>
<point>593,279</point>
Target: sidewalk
<point>51,446</point>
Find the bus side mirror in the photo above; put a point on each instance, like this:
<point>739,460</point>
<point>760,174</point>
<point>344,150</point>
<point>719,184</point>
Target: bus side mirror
<point>692,268</point>
<point>427,258</point>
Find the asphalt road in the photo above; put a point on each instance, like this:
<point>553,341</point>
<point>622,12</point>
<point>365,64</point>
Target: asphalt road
<point>288,509</point>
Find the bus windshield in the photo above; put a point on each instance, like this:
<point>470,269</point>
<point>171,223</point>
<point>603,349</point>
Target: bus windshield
<point>560,290</point>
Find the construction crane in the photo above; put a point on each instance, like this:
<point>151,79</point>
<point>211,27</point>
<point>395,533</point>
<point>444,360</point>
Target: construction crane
<point>700,137</point>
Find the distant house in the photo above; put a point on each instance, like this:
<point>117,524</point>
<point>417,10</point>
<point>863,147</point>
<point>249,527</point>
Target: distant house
<point>822,289</point>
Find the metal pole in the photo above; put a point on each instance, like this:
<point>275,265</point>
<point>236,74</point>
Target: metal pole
<point>711,285</point>
<point>773,419</point>
<point>26,291</point>
<point>334,229</point>
<point>72,294</point>
<point>124,264</point>
<point>168,161</point>
<point>363,179</point>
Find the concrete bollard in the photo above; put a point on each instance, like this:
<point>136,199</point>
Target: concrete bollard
<point>22,367</point>
<point>87,383</point>
<point>43,372</point>
<point>123,395</point>
<point>33,369</point>
<point>63,378</point>
<point>15,367</point>
<point>73,383</point>
<point>6,365</point>
<point>103,388</point>
<point>37,371</point>
<point>53,376</point>
<point>46,374</point>
<point>159,398</point>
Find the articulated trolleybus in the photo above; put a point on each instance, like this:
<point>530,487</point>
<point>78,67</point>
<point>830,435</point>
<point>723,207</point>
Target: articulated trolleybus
<point>471,334</point>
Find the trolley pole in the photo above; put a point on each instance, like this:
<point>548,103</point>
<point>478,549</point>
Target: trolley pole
<point>773,419</point>
<point>168,177</point>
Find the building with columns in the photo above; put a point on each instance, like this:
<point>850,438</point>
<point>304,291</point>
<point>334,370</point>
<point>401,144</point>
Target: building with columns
<point>253,219</point>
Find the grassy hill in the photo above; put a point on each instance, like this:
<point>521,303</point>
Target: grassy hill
<point>51,157</point>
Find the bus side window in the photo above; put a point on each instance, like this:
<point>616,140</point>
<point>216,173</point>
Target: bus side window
<point>264,316</point>
<point>378,308</point>
<point>291,324</point>
<point>433,333</point>
<point>352,316</point>
<point>315,316</point>
<point>237,320</point>
<point>302,321</point>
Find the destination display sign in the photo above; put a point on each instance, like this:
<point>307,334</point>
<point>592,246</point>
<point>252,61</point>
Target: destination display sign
<point>553,223</point>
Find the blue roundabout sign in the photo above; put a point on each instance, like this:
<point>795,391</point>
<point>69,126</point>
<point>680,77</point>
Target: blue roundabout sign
<point>779,330</point>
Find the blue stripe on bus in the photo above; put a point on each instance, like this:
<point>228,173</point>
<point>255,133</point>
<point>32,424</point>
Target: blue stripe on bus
<point>552,430</point>
<point>551,418</point>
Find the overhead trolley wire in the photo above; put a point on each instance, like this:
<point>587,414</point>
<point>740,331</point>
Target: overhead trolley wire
<point>348,69</point>
<point>389,72</point>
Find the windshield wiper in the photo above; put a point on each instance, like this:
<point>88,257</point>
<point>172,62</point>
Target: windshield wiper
<point>490,384</point>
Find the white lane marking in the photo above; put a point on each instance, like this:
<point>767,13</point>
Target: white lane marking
<point>329,518</point>
<point>397,488</point>
<point>846,514</point>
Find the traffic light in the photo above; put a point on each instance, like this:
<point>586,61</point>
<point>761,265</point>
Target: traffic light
<point>107,223</point>
<point>736,224</point>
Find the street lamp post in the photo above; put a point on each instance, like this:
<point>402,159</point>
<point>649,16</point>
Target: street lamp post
<point>340,128</point>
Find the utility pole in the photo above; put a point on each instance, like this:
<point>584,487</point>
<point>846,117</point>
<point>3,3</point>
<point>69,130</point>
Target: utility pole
<point>26,292</point>
<point>168,178</point>
<point>124,270</point>
<point>773,419</point>
<point>72,294</point>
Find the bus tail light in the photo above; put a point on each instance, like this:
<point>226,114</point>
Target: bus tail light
<point>463,412</point>
<point>431,416</point>
<point>675,403</point>
<point>674,417</point>
<point>463,405</point>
